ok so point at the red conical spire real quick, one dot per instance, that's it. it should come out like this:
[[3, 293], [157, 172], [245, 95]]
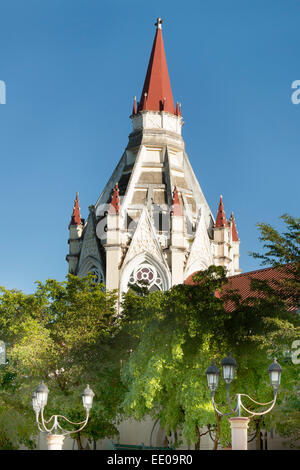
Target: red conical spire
[[115, 201], [235, 237], [157, 83], [176, 207], [76, 218], [221, 219]]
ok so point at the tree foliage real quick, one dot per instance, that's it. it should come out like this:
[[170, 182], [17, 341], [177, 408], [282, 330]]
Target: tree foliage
[[70, 334], [282, 251], [178, 332], [65, 334]]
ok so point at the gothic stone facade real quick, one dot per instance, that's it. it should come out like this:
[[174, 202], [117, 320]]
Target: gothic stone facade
[[152, 221]]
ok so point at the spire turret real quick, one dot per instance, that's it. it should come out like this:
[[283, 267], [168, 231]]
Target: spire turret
[[75, 233], [235, 237], [76, 218], [221, 218], [157, 93]]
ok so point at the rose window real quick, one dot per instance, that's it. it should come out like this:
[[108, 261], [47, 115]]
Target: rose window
[[146, 274]]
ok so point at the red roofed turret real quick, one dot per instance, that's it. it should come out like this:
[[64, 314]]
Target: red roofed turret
[[235, 237], [221, 219], [176, 207], [157, 93], [76, 218], [115, 201]]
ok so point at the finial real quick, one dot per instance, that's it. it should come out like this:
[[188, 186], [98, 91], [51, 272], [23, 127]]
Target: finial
[[158, 23], [145, 100], [134, 110], [178, 109]]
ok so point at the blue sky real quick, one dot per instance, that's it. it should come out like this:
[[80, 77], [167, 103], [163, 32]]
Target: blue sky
[[71, 69]]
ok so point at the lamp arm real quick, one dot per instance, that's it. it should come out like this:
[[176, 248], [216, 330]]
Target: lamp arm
[[263, 412], [83, 425], [71, 422], [46, 422], [56, 425], [256, 402], [38, 423], [216, 409], [229, 402]]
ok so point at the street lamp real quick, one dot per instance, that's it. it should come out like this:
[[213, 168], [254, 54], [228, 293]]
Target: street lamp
[[87, 398], [239, 424], [41, 395], [275, 374], [54, 437], [212, 376], [229, 365]]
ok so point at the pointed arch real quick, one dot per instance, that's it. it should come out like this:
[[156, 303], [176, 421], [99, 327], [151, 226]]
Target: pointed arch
[[92, 265], [200, 257], [159, 276]]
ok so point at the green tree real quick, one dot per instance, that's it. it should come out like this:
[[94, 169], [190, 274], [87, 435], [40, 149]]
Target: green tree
[[65, 334], [282, 251], [178, 333]]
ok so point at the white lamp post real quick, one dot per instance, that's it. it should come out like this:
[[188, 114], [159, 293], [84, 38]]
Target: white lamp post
[[55, 438], [239, 424]]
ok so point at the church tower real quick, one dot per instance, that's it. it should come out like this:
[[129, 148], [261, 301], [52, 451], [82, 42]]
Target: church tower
[[152, 221], [226, 242]]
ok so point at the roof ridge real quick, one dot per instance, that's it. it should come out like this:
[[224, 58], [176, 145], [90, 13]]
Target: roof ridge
[[257, 270]]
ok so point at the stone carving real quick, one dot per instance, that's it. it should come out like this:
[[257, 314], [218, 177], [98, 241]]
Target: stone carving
[[163, 240], [201, 253], [144, 239]]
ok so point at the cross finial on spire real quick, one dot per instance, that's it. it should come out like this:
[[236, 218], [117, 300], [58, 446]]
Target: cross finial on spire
[[158, 23]]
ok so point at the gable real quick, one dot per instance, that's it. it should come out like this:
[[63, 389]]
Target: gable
[[200, 256]]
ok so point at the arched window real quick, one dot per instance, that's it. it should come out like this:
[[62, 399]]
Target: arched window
[[146, 274], [91, 265], [97, 273]]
